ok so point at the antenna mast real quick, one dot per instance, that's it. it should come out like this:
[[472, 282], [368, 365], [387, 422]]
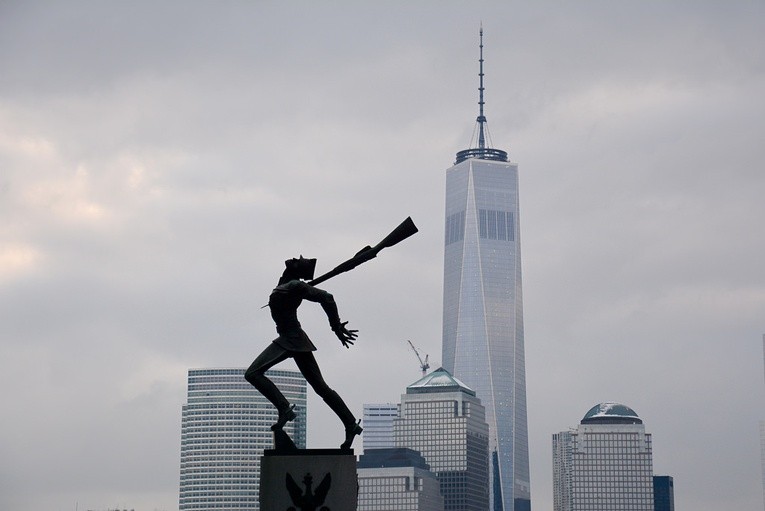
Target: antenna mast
[[481, 119], [483, 151]]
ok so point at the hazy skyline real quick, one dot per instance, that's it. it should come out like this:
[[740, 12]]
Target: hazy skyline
[[159, 161]]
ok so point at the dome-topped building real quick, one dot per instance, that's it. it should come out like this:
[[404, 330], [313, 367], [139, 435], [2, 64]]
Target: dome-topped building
[[611, 413], [604, 464]]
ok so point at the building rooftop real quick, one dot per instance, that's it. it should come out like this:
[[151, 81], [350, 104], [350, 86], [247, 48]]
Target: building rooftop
[[611, 413], [392, 457], [439, 380]]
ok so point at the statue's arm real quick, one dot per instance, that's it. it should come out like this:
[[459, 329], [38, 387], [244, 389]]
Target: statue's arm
[[327, 302]]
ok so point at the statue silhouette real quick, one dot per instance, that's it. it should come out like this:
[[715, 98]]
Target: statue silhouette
[[294, 343]]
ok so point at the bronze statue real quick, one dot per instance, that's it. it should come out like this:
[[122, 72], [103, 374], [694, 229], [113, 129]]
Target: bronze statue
[[294, 343]]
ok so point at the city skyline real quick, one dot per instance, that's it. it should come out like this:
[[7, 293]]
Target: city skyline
[[160, 162]]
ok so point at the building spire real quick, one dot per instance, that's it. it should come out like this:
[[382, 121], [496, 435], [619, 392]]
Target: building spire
[[481, 119], [482, 151]]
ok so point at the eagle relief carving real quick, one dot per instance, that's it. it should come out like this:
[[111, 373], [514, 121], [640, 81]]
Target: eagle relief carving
[[308, 499]]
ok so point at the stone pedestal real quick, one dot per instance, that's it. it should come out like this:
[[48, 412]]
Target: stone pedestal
[[308, 479]]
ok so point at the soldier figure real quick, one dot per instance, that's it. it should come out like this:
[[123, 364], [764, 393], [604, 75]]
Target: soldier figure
[[294, 343]]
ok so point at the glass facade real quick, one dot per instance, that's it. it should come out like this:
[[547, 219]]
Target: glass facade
[[606, 464], [225, 427], [663, 493], [446, 423], [483, 342], [378, 425]]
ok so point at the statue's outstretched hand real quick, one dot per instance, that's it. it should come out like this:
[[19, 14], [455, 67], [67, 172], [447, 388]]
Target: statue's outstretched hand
[[346, 336]]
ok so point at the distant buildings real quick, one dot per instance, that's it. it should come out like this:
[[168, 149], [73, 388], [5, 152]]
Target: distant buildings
[[663, 493], [378, 425], [397, 480], [442, 419], [606, 464], [225, 427], [483, 341]]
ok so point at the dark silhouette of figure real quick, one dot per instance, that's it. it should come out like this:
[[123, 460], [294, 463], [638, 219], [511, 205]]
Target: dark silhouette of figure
[[294, 343]]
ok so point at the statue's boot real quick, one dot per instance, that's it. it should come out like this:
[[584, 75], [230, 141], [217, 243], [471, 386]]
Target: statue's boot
[[285, 415], [352, 428], [350, 433]]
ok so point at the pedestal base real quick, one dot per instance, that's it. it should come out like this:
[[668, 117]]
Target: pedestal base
[[308, 479]]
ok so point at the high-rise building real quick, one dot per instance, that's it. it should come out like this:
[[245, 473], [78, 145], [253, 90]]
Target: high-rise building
[[762, 436], [225, 427], [562, 471], [378, 425], [483, 308], [442, 419], [605, 464], [397, 479], [663, 493]]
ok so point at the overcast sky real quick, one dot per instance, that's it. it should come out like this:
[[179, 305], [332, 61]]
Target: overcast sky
[[160, 160]]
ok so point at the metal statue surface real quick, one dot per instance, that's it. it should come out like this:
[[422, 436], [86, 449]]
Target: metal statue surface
[[295, 285]]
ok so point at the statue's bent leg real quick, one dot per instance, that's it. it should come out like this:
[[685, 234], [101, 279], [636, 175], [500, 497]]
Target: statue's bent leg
[[310, 369], [255, 374]]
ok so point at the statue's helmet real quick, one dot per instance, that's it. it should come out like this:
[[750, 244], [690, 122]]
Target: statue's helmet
[[302, 268]]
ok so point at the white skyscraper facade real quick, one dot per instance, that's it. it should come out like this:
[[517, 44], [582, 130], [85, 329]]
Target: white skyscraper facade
[[606, 464], [378, 425], [225, 427], [483, 342]]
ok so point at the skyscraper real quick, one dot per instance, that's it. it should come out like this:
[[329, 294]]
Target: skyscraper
[[483, 308], [442, 419], [225, 427], [378, 425], [605, 464]]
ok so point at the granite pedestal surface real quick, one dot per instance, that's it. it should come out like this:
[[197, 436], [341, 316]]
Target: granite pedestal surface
[[308, 480]]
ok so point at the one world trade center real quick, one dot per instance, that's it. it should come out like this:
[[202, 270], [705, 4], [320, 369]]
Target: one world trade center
[[483, 307]]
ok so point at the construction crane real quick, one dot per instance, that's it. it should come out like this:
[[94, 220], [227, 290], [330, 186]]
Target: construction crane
[[423, 364]]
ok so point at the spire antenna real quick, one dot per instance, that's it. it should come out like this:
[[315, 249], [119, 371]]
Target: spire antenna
[[483, 151], [481, 119]]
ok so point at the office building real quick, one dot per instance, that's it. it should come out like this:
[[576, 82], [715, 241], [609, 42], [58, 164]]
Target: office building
[[442, 419], [225, 427], [762, 436], [663, 493], [397, 479], [605, 464], [378, 425], [483, 342]]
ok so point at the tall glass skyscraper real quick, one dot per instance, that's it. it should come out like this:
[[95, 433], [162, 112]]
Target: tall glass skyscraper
[[225, 427], [483, 308]]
